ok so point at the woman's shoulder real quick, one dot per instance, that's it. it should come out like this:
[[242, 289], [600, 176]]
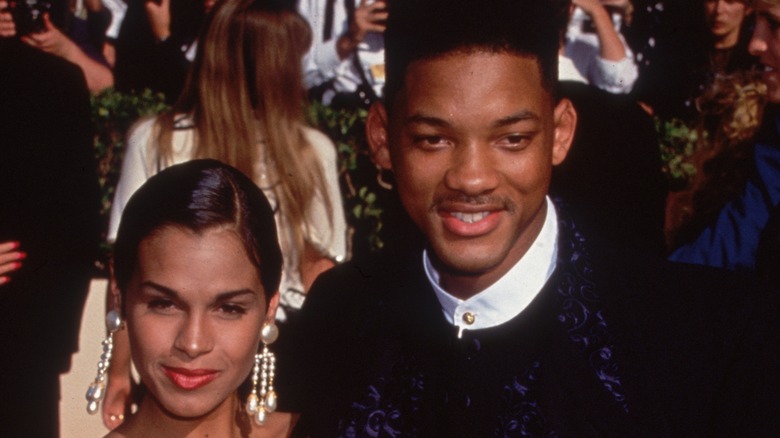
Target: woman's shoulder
[[146, 126], [319, 141], [142, 129]]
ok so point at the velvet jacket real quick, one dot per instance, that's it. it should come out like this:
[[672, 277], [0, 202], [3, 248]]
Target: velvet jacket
[[612, 346]]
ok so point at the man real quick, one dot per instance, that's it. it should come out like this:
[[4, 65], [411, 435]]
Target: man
[[507, 324]]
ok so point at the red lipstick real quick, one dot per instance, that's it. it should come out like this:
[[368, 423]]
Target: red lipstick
[[189, 379]]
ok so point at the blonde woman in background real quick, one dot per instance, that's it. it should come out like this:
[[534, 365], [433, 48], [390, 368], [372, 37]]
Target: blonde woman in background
[[243, 104]]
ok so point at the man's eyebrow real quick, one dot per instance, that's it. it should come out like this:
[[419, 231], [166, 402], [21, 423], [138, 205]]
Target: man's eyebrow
[[224, 296], [517, 117], [424, 119]]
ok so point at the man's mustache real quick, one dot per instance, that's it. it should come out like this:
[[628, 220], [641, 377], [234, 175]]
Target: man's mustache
[[493, 202]]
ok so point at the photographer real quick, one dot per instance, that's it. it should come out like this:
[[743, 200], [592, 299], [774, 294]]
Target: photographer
[[42, 30]]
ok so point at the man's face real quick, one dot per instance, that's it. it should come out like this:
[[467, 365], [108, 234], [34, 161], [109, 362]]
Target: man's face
[[472, 139]]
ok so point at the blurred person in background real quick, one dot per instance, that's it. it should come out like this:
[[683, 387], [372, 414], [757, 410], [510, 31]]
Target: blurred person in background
[[731, 238], [55, 29], [49, 229], [156, 44], [345, 65], [595, 48]]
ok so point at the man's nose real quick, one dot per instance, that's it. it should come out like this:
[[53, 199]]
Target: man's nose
[[473, 170]]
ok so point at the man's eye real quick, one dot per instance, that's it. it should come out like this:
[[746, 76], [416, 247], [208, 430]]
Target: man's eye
[[514, 141], [430, 141]]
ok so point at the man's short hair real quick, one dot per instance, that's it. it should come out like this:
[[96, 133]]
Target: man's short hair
[[425, 29]]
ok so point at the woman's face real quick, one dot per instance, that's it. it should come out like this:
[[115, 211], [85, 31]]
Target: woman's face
[[194, 310], [724, 18], [765, 44]]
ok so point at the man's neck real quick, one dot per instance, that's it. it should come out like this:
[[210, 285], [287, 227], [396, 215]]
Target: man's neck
[[464, 285]]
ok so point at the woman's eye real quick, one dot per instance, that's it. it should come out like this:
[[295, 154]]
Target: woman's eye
[[232, 309], [161, 304]]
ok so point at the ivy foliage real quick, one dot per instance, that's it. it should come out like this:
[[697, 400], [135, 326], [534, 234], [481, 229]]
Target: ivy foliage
[[678, 142]]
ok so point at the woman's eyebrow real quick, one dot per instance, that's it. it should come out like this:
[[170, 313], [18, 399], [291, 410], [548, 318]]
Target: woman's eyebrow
[[233, 294], [223, 296], [160, 288]]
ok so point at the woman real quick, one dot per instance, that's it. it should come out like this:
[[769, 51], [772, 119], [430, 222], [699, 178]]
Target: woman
[[243, 105], [732, 239], [195, 273]]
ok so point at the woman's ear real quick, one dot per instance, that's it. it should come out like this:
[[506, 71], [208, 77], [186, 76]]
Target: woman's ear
[[376, 133], [273, 304], [114, 300]]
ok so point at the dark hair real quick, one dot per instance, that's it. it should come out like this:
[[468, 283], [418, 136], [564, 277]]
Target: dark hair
[[199, 195], [425, 29]]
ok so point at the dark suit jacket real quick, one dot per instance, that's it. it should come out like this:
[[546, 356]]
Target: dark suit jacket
[[612, 346], [49, 204]]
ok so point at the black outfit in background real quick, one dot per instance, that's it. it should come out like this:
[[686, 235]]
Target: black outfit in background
[[614, 345], [49, 203], [611, 178], [143, 62]]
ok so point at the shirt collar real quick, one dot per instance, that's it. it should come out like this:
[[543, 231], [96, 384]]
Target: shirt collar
[[507, 297]]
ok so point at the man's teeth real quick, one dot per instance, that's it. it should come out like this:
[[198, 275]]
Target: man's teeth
[[768, 68], [470, 218]]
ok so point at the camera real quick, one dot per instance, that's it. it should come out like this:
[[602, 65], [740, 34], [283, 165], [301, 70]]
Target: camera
[[28, 15]]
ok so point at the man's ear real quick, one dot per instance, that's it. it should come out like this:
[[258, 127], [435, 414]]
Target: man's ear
[[376, 133], [565, 118]]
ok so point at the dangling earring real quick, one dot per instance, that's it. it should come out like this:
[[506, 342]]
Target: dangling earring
[[97, 388], [259, 405]]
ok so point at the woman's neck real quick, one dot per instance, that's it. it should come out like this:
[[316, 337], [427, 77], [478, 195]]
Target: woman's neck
[[152, 421], [727, 41]]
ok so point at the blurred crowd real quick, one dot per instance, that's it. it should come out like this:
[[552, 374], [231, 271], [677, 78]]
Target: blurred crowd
[[238, 94]]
